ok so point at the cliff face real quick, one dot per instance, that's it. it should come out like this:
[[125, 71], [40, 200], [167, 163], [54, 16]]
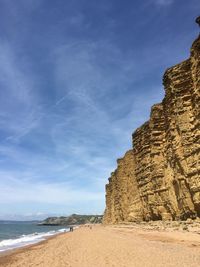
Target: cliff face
[[160, 177], [122, 195]]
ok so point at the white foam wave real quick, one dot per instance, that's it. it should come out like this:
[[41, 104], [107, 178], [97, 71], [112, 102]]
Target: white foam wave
[[26, 240]]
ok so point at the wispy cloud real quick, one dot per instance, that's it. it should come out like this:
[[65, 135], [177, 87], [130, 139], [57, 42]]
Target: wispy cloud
[[19, 105], [48, 193], [63, 197], [164, 2]]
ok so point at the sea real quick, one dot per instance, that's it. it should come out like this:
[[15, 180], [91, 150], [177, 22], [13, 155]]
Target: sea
[[15, 234]]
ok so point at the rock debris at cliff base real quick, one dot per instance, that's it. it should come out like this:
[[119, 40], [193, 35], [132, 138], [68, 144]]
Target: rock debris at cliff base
[[159, 179]]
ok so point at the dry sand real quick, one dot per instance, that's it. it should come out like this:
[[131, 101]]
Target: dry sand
[[110, 246]]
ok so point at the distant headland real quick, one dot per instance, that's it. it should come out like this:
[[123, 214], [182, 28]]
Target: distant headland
[[74, 219]]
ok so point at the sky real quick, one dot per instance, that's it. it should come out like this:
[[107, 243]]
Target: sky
[[77, 77]]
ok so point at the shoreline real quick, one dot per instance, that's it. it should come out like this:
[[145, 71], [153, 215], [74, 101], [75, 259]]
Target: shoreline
[[11, 251], [116, 245]]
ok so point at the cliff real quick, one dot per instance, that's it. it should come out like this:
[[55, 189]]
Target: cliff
[[159, 179]]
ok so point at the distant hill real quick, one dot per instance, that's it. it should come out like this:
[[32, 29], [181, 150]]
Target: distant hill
[[74, 219]]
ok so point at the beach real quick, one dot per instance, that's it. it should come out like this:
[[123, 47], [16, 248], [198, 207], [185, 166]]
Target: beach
[[120, 246]]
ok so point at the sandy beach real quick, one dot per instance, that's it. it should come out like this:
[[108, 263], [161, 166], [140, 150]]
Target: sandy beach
[[110, 246]]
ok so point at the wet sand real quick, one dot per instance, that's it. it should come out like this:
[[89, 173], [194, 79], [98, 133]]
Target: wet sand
[[101, 246]]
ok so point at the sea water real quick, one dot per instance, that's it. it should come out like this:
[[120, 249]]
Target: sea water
[[18, 234]]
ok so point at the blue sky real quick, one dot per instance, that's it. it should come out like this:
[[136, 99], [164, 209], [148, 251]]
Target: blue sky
[[76, 78]]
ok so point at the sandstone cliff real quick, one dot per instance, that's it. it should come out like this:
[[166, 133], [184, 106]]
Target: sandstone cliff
[[160, 177]]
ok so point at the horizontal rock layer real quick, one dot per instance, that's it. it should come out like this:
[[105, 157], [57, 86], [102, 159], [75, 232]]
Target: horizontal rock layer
[[160, 177]]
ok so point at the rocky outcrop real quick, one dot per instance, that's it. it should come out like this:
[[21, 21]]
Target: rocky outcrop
[[159, 179]]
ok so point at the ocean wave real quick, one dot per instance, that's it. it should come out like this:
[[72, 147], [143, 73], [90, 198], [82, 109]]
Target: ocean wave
[[25, 240]]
